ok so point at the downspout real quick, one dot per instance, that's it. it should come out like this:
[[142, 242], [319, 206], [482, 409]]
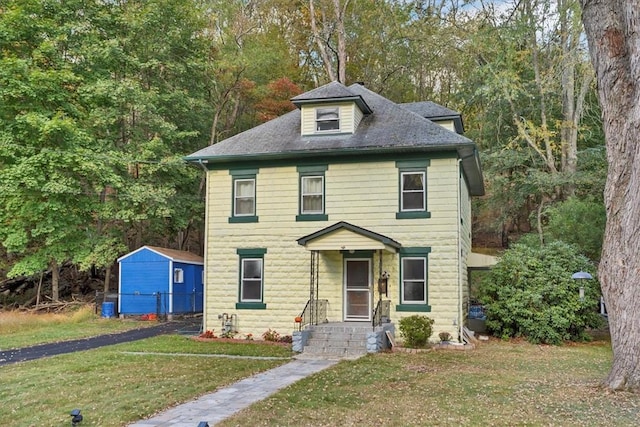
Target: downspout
[[459, 256], [205, 267]]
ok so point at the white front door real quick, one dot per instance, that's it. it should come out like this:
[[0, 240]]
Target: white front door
[[357, 289]]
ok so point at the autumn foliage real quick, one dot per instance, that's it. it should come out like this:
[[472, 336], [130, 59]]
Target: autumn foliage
[[277, 99]]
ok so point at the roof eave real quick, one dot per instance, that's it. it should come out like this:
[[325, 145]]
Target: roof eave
[[468, 154], [364, 107]]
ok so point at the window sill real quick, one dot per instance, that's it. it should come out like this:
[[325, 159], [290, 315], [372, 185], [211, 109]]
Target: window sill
[[251, 306], [312, 217], [241, 219], [413, 215], [413, 307]]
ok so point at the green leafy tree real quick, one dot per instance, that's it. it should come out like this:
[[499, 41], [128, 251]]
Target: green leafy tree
[[100, 101], [532, 93], [578, 222], [530, 294], [47, 178]]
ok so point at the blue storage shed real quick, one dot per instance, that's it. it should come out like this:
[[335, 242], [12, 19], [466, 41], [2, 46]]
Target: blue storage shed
[[160, 280]]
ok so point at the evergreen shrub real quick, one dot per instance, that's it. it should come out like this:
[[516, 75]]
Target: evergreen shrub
[[416, 330], [530, 294]]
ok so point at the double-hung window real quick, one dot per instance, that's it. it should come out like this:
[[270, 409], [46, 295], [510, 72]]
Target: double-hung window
[[244, 196], [251, 282], [414, 263], [327, 119], [312, 193], [413, 189]]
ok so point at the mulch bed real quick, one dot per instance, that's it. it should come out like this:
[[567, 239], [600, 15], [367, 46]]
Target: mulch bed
[[240, 341]]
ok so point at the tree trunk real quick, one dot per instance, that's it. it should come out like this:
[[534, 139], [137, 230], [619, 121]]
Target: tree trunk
[[55, 281], [569, 130], [320, 42], [613, 33], [342, 43], [107, 278]]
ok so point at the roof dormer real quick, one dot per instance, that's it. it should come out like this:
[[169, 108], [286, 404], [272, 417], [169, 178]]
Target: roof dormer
[[330, 109], [443, 116]]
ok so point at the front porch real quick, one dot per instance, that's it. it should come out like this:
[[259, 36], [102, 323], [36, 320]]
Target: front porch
[[337, 340]]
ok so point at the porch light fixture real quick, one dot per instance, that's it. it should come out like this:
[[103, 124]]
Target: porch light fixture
[[581, 275]]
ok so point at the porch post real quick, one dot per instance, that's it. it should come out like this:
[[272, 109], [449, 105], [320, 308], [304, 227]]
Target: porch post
[[380, 276], [317, 280], [312, 288]]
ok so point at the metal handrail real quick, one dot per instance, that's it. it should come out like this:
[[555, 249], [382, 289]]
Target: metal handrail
[[313, 311], [377, 315], [382, 311]]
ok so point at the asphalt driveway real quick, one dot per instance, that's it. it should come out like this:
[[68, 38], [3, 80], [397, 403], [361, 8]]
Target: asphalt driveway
[[53, 349]]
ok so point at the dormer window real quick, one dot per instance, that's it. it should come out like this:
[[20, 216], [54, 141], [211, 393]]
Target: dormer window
[[327, 119]]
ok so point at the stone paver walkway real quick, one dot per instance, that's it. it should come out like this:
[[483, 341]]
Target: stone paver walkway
[[225, 402]]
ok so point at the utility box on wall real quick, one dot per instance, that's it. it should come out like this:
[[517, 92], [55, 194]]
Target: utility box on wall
[[160, 280]]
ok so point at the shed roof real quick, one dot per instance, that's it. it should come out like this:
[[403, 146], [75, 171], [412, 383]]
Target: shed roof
[[171, 254]]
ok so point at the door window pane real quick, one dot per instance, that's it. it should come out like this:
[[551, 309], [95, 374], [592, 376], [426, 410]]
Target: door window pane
[[358, 274]]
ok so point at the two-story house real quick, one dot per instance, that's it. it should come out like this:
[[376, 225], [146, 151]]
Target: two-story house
[[353, 202]]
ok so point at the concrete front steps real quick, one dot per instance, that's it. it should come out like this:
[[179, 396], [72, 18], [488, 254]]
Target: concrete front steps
[[337, 341]]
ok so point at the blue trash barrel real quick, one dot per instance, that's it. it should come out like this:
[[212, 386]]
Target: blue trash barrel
[[108, 309]]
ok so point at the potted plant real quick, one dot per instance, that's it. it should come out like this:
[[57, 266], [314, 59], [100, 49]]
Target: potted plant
[[445, 337]]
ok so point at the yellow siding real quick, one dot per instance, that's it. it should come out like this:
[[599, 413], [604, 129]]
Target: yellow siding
[[447, 124], [344, 240], [357, 116], [466, 243], [365, 195]]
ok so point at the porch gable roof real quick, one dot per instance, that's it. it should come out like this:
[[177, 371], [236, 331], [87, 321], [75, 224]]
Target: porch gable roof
[[343, 236]]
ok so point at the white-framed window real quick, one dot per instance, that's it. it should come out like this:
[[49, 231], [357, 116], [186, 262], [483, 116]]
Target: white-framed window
[[311, 195], [327, 119], [251, 280], [413, 191], [414, 280], [178, 275], [244, 195]]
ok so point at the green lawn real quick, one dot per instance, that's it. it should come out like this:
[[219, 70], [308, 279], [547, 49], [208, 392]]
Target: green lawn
[[113, 387], [498, 384]]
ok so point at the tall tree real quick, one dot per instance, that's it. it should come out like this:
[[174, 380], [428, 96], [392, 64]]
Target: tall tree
[[328, 30], [97, 107], [532, 87], [47, 176], [613, 33]]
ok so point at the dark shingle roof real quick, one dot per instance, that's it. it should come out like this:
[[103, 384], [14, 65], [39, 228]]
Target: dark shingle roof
[[435, 112], [330, 90], [389, 129], [429, 109]]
